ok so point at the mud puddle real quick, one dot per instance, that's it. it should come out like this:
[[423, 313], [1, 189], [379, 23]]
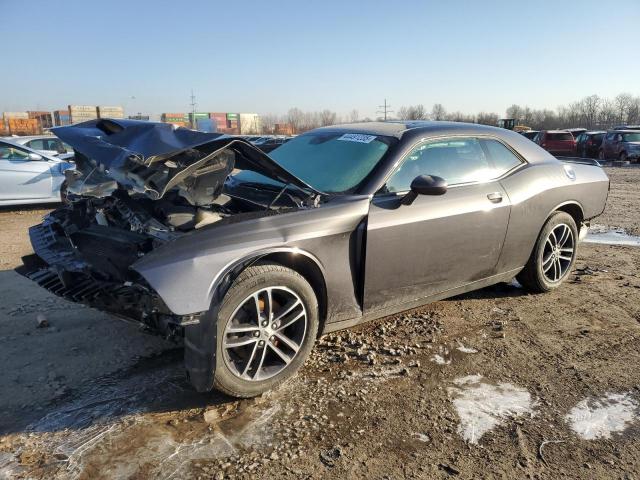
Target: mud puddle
[[603, 234]]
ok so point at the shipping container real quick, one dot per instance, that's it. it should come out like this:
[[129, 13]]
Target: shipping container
[[61, 118], [173, 117], [110, 112], [144, 118], [220, 120], [23, 126], [7, 115], [45, 119], [250, 124], [283, 129], [82, 113]]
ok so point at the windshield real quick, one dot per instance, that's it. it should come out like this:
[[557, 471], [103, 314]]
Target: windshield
[[330, 162], [631, 137]]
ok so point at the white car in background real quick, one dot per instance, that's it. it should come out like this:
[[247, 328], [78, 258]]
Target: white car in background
[[49, 145], [28, 176]]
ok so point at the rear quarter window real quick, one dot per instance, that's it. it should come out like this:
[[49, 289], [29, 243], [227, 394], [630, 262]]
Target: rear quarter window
[[502, 157]]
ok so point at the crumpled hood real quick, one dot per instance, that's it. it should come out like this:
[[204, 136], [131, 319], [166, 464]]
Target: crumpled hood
[[152, 157]]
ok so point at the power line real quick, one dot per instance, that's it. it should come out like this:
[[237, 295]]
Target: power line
[[386, 108]]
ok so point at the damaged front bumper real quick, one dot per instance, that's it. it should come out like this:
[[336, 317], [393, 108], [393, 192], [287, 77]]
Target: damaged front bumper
[[60, 267]]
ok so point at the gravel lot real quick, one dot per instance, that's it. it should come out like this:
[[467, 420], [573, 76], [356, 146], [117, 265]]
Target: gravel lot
[[492, 384]]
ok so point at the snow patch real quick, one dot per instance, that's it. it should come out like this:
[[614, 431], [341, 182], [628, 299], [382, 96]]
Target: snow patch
[[599, 418], [482, 406]]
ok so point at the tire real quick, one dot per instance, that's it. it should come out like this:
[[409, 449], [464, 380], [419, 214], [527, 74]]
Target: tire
[[237, 371], [539, 275], [623, 156]]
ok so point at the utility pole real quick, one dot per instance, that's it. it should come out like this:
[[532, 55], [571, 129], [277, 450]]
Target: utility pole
[[193, 110], [386, 108]]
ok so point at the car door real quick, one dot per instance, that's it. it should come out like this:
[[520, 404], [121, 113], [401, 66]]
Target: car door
[[607, 145], [21, 177], [438, 242]]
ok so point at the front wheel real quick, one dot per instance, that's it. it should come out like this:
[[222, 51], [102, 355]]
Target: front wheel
[[266, 328], [553, 256]]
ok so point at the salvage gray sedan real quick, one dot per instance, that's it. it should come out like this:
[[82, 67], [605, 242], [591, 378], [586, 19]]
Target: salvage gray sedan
[[249, 258]]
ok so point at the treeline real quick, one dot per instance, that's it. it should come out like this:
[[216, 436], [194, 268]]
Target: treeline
[[591, 112]]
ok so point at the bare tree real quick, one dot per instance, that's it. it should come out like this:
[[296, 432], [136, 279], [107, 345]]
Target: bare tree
[[438, 112], [590, 107], [327, 117], [403, 113], [622, 103], [295, 117], [515, 111], [487, 118], [353, 116]]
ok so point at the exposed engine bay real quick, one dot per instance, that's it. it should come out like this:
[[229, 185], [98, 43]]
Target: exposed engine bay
[[136, 187]]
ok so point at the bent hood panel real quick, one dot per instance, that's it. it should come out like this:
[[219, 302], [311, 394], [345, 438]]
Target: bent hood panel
[[151, 157]]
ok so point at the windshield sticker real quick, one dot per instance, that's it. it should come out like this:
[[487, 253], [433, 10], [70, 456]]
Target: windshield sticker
[[357, 137]]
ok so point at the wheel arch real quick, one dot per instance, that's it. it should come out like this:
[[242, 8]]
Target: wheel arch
[[573, 208], [300, 261]]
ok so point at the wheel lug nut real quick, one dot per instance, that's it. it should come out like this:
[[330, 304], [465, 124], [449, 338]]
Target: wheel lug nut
[[265, 324], [261, 343], [272, 338], [274, 326], [256, 333]]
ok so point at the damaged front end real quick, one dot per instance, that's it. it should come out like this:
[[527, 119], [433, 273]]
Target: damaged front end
[[138, 186]]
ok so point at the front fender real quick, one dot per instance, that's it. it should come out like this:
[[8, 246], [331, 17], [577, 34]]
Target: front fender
[[186, 272]]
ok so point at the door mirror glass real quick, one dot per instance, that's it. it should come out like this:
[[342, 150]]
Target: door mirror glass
[[35, 156], [425, 185]]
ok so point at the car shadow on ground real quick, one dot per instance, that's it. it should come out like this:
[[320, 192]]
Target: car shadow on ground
[[499, 290], [82, 366]]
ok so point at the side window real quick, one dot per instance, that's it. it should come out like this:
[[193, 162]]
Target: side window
[[37, 145], [503, 159], [11, 153], [457, 160]]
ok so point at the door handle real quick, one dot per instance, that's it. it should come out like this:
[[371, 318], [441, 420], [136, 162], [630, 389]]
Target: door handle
[[495, 197]]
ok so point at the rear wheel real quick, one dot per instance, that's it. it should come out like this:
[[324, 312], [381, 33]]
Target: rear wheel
[[267, 325], [553, 255]]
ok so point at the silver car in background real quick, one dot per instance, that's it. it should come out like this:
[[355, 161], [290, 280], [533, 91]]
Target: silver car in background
[[28, 176], [49, 145]]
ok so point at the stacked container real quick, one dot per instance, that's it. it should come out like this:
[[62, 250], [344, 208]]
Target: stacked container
[[61, 118], [45, 120], [110, 112], [178, 119], [233, 123], [23, 126], [219, 121], [283, 129], [82, 113], [194, 117]]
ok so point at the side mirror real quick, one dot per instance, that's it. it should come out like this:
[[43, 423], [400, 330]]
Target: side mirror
[[425, 185], [35, 156]]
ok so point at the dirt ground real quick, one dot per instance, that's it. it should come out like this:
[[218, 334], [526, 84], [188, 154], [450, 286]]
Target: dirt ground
[[492, 384]]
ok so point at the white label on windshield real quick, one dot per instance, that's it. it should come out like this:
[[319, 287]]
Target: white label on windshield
[[357, 137]]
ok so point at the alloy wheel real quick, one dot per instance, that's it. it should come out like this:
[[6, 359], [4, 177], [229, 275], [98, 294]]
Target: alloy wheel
[[558, 253], [265, 333]]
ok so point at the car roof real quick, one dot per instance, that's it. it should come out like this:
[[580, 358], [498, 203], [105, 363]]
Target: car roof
[[26, 138], [595, 132], [397, 128]]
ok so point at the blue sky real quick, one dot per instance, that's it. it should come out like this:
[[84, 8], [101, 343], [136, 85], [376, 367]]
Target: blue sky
[[266, 57]]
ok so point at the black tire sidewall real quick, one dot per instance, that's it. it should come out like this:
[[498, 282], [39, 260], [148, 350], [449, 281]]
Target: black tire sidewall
[[224, 379], [554, 221]]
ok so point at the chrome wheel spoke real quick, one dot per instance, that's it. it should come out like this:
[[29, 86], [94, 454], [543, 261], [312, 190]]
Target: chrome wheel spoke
[[558, 252], [287, 359], [291, 321], [253, 354], [239, 342], [288, 342], [254, 343]]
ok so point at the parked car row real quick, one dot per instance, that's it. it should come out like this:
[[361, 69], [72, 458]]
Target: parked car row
[[268, 143], [620, 143]]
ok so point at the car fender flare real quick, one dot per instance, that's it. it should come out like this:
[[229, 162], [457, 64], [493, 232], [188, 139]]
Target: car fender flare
[[562, 207], [223, 278]]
